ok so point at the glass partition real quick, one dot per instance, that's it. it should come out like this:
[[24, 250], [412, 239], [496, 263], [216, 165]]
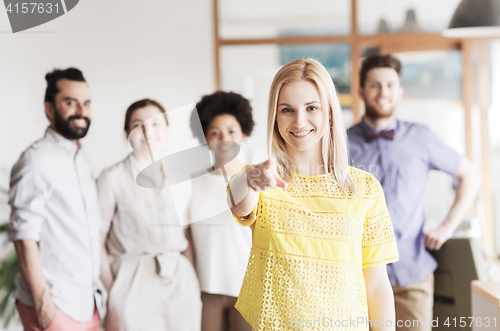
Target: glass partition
[[240, 19]]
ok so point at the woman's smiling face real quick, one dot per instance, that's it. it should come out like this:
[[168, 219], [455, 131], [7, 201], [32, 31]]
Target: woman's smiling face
[[224, 136], [299, 116], [155, 125]]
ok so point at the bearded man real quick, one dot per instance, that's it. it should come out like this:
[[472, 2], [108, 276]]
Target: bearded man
[[54, 216]]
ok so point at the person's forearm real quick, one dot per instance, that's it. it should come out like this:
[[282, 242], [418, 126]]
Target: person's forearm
[[380, 298], [189, 252], [381, 307], [466, 192], [28, 256], [106, 273], [243, 199]]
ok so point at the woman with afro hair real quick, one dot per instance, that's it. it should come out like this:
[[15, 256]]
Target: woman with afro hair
[[221, 246]]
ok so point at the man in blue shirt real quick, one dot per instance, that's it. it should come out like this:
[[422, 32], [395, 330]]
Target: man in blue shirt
[[400, 154]]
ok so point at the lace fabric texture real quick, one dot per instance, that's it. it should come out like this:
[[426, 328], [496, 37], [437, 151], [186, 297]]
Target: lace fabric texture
[[310, 245]]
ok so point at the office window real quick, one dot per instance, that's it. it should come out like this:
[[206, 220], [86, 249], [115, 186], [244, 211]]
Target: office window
[[240, 19]]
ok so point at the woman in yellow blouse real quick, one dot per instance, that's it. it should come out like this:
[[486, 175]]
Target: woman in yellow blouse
[[321, 230]]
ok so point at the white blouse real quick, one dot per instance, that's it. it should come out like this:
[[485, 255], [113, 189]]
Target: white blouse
[[137, 219], [222, 247], [155, 287]]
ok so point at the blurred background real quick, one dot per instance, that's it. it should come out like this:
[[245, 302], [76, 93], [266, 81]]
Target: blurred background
[[178, 51], [448, 82]]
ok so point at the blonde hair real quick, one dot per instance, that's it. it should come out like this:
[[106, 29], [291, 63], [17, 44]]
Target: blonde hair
[[334, 141]]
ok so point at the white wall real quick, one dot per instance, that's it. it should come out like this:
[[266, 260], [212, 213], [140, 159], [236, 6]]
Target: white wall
[[127, 50]]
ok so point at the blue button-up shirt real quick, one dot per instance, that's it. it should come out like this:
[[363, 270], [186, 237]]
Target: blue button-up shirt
[[402, 165]]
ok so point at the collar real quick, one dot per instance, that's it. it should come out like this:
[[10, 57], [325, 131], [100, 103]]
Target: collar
[[67, 145]]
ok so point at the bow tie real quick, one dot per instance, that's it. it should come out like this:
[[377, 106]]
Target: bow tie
[[371, 135]]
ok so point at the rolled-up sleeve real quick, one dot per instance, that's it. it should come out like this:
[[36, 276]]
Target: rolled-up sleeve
[[28, 193]]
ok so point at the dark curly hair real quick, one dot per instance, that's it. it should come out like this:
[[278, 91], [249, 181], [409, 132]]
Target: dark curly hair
[[219, 103], [378, 61]]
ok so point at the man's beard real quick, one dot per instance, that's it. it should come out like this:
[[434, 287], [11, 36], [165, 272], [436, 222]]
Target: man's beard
[[374, 114], [63, 126]]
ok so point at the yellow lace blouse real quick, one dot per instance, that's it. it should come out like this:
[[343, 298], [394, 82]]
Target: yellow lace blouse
[[309, 247]]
